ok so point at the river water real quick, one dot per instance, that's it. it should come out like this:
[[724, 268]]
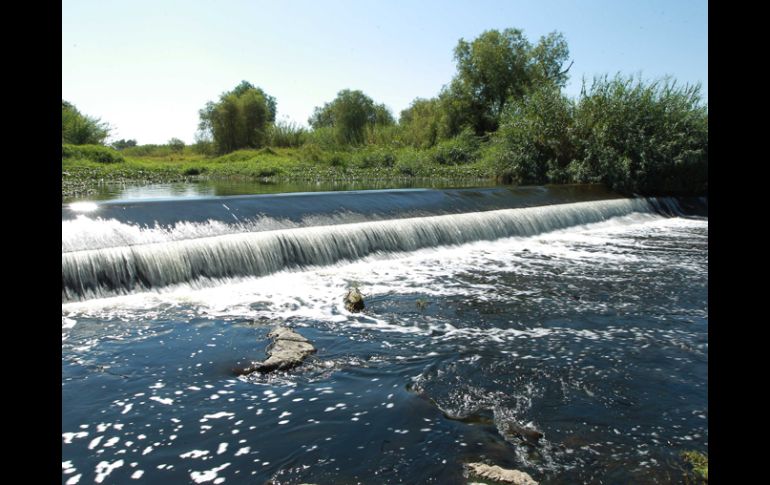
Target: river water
[[588, 322]]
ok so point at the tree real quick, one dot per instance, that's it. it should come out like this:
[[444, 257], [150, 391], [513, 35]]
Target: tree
[[123, 144], [350, 114], [176, 145], [421, 122], [79, 129], [497, 67], [240, 119]]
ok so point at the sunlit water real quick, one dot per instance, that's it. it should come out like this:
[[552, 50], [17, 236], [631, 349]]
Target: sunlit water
[[595, 335]]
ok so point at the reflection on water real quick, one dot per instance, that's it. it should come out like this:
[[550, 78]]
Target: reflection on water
[[207, 188]]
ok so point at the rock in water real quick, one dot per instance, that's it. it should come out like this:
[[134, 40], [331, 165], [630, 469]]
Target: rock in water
[[287, 351], [501, 474], [354, 301]]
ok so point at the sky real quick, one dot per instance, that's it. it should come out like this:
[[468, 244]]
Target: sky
[[147, 67]]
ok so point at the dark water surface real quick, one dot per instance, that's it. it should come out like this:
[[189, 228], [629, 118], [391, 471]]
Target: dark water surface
[[595, 333]]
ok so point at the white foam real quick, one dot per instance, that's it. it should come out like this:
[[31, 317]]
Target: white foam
[[207, 475], [103, 469]]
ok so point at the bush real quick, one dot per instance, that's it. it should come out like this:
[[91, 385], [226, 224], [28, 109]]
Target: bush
[[149, 150], [194, 171], [94, 153], [460, 150], [642, 138], [533, 144], [374, 157], [286, 134]]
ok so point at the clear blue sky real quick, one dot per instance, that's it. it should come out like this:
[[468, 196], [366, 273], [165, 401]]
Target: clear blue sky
[[147, 67]]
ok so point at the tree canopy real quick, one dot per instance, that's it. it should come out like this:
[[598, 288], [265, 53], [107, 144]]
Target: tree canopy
[[349, 114], [239, 119], [495, 68], [80, 129]]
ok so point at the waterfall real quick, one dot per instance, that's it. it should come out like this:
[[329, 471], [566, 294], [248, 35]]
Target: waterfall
[[151, 258]]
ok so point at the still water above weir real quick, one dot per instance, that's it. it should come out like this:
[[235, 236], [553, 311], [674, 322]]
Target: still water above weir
[[571, 311]]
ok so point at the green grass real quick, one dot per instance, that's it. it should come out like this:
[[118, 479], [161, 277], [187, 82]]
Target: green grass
[[306, 163]]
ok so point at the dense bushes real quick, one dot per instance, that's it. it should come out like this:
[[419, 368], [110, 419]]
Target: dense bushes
[[79, 129], [634, 137], [94, 153], [642, 138], [534, 144]]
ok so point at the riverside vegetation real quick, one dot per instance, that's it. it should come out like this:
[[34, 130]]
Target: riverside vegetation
[[502, 117]]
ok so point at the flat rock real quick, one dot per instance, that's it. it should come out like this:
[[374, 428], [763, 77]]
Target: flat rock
[[287, 351], [499, 474]]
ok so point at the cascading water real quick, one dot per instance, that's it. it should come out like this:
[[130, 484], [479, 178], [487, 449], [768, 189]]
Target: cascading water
[[123, 258], [489, 314]]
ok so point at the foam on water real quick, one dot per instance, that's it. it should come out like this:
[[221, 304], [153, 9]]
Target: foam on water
[[155, 258]]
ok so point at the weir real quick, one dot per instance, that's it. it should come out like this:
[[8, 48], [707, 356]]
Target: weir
[[106, 257]]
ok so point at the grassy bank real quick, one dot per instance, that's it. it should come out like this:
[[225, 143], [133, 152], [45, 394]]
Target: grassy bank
[[83, 171]]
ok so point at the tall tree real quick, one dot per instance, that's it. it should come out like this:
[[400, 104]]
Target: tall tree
[[239, 119], [350, 113], [495, 68]]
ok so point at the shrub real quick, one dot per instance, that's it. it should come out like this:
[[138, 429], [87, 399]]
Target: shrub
[[374, 157], [286, 134], [94, 153], [533, 144], [459, 150], [646, 138]]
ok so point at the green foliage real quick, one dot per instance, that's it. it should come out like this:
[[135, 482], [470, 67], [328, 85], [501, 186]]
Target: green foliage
[[94, 153], [373, 156], [176, 145], [699, 463], [203, 144], [349, 115], [421, 122], [644, 138], [460, 150], [497, 67], [79, 129], [123, 144], [286, 134], [533, 144], [240, 118], [149, 150]]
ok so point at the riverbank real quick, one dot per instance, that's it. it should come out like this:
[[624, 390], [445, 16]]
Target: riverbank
[[82, 177]]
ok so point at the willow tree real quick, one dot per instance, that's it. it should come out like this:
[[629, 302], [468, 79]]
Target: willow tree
[[350, 114], [240, 119]]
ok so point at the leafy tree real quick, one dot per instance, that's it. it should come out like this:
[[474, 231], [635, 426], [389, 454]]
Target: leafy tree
[[176, 145], [123, 144], [350, 114], [239, 119], [421, 122], [79, 129], [497, 67]]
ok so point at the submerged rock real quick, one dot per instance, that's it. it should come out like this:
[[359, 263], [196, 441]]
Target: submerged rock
[[354, 301], [528, 435], [500, 474], [287, 351]]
